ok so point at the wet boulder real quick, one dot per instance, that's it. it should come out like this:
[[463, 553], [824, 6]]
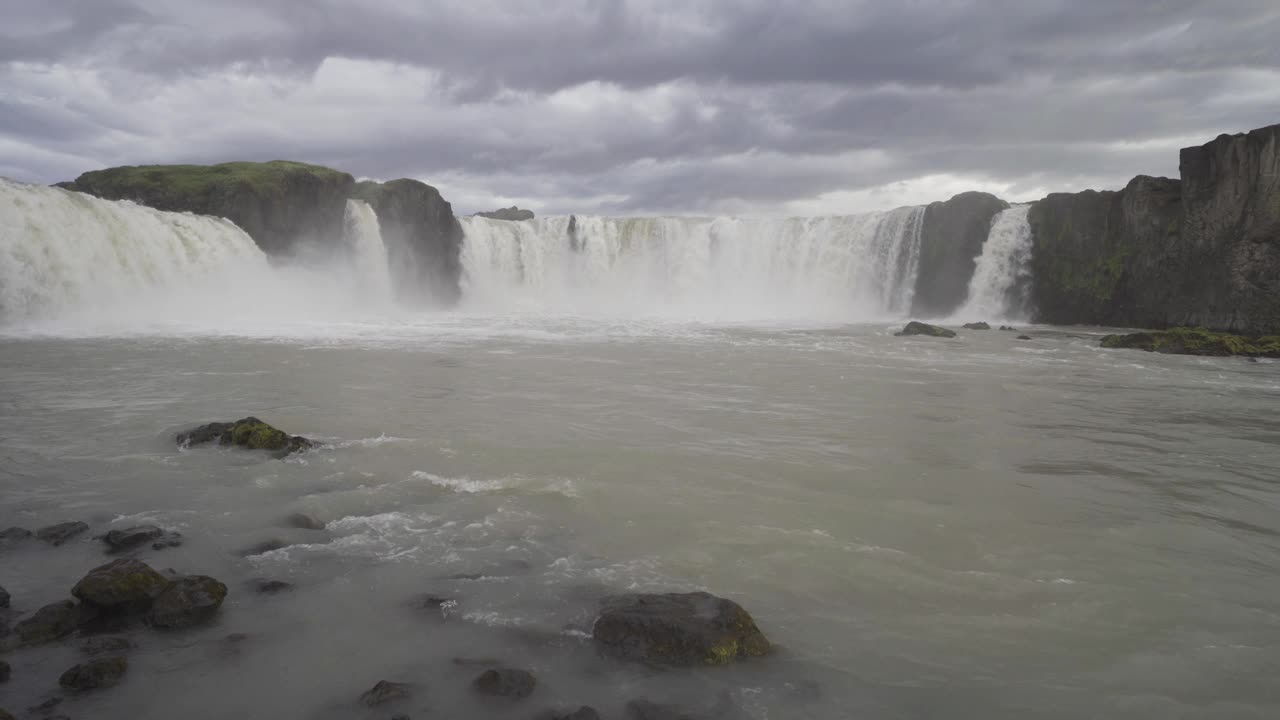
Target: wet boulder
[[62, 532], [1023, 337], [4, 598], [977, 326], [1196, 341], [1008, 328], [53, 621], [121, 585], [119, 541], [302, 521], [13, 536], [249, 433], [188, 601], [506, 683], [681, 629], [263, 586], [384, 692], [914, 328], [94, 674]]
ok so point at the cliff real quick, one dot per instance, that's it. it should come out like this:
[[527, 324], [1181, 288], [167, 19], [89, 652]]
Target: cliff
[[280, 204], [423, 238], [950, 243]]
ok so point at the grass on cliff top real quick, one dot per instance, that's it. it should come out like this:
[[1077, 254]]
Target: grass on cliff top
[[1197, 341], [188, 180]]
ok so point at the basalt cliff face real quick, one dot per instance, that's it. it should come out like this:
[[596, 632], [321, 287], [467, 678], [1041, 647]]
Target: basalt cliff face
[[1203, 250], [951, 240], [423, 238]]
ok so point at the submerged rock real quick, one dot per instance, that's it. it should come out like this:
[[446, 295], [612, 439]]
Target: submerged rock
[[58, 534], [53, 621], [1007, 328], [505, 682], [124, 584], [512, 213], [1196, 341], [263, 586], [303, 521], [5, 671], [118, 541], [94, 674], [4, 598], [13, 536], [263, 547], [1023, 337], [249, 433], [101, 645], [977, 326], [190, 600], [919, 328], [384, 692], [678, 629], [586, 712]]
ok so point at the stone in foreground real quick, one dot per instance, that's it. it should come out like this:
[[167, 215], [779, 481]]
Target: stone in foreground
[[118, 541], [384, 692], [1196, 341], [682, 629], [94, 674], [918, 328], [124, 584], [505, 682], [977, 326], [58, 534], [249, 433], [53, 621], [189, 601]]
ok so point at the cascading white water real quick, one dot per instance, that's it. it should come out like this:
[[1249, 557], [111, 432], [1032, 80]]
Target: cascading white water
[[848, 267], [369, 254], [64, 251], [1004, 266]]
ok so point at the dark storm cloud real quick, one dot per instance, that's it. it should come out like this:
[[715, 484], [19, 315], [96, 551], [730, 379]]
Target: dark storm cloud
[[641, 106]]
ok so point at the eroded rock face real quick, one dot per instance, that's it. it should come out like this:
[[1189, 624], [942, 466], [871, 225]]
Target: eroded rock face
[[681, 629], [951, 240], [190, 600], [423, 239], [1196, 341], [918, 328], [121, 585], [249, 433], [95, 674]]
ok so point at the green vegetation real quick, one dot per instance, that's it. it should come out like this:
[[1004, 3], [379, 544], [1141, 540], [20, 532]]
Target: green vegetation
[[1197, 341], [189, 184]]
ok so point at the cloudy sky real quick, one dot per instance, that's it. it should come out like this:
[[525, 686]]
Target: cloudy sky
[[643, 106]]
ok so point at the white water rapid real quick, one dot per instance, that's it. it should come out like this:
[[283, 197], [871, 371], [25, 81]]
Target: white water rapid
[[1003, 269], [846, 267], [369, 254]]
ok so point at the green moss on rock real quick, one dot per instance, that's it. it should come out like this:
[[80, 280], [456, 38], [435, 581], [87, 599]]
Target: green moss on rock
[[1196, 341], [249, 433], [918, 328]]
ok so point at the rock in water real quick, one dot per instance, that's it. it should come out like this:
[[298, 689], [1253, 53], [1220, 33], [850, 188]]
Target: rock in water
[[384, 692], [118, 541], [4, 598], [1007, 328], [1196, 341], [94, 674], [303, 521], [263, 586], [52, 621], [1023, 337], [919, 328], [977, 326], [249, 433], [678, 629], [13, 536], [6, 715], [125, 584], [5, 671], [190, 600], [505, 682], [101, 645], [586, 712], [58, 534]]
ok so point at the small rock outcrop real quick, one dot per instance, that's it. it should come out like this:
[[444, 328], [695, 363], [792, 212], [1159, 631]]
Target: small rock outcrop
[[977, 326], [124, 585], [1196, 341], [58, 534], [918, 328], [249, 433], [680, 629], [95, 674], [119, 541], [513, 213], [506, 683], [190, 600], [384, 692], [53, 621], [951, 240]]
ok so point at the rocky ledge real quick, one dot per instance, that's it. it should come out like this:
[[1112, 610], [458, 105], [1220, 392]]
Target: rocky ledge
[[1197, 341], [249, 433]]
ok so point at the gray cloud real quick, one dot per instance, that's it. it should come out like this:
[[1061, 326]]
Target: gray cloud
[[657, 106]]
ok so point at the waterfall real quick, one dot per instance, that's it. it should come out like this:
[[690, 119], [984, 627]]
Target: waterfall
[[369, 254], [847, 267], [62, 250], [1003, 269]]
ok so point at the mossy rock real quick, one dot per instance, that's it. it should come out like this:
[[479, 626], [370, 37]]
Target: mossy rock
[[977, 326], [918, 328], [53, 621], [249, 433], [124, 584], [189, 601], [678, 629], [1197, 341], [94, 674]]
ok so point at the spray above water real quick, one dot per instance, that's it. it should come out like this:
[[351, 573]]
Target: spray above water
[[846, 267], [999, 283]]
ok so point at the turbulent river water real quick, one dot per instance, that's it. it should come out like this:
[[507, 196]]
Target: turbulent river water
[[982, 527]]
